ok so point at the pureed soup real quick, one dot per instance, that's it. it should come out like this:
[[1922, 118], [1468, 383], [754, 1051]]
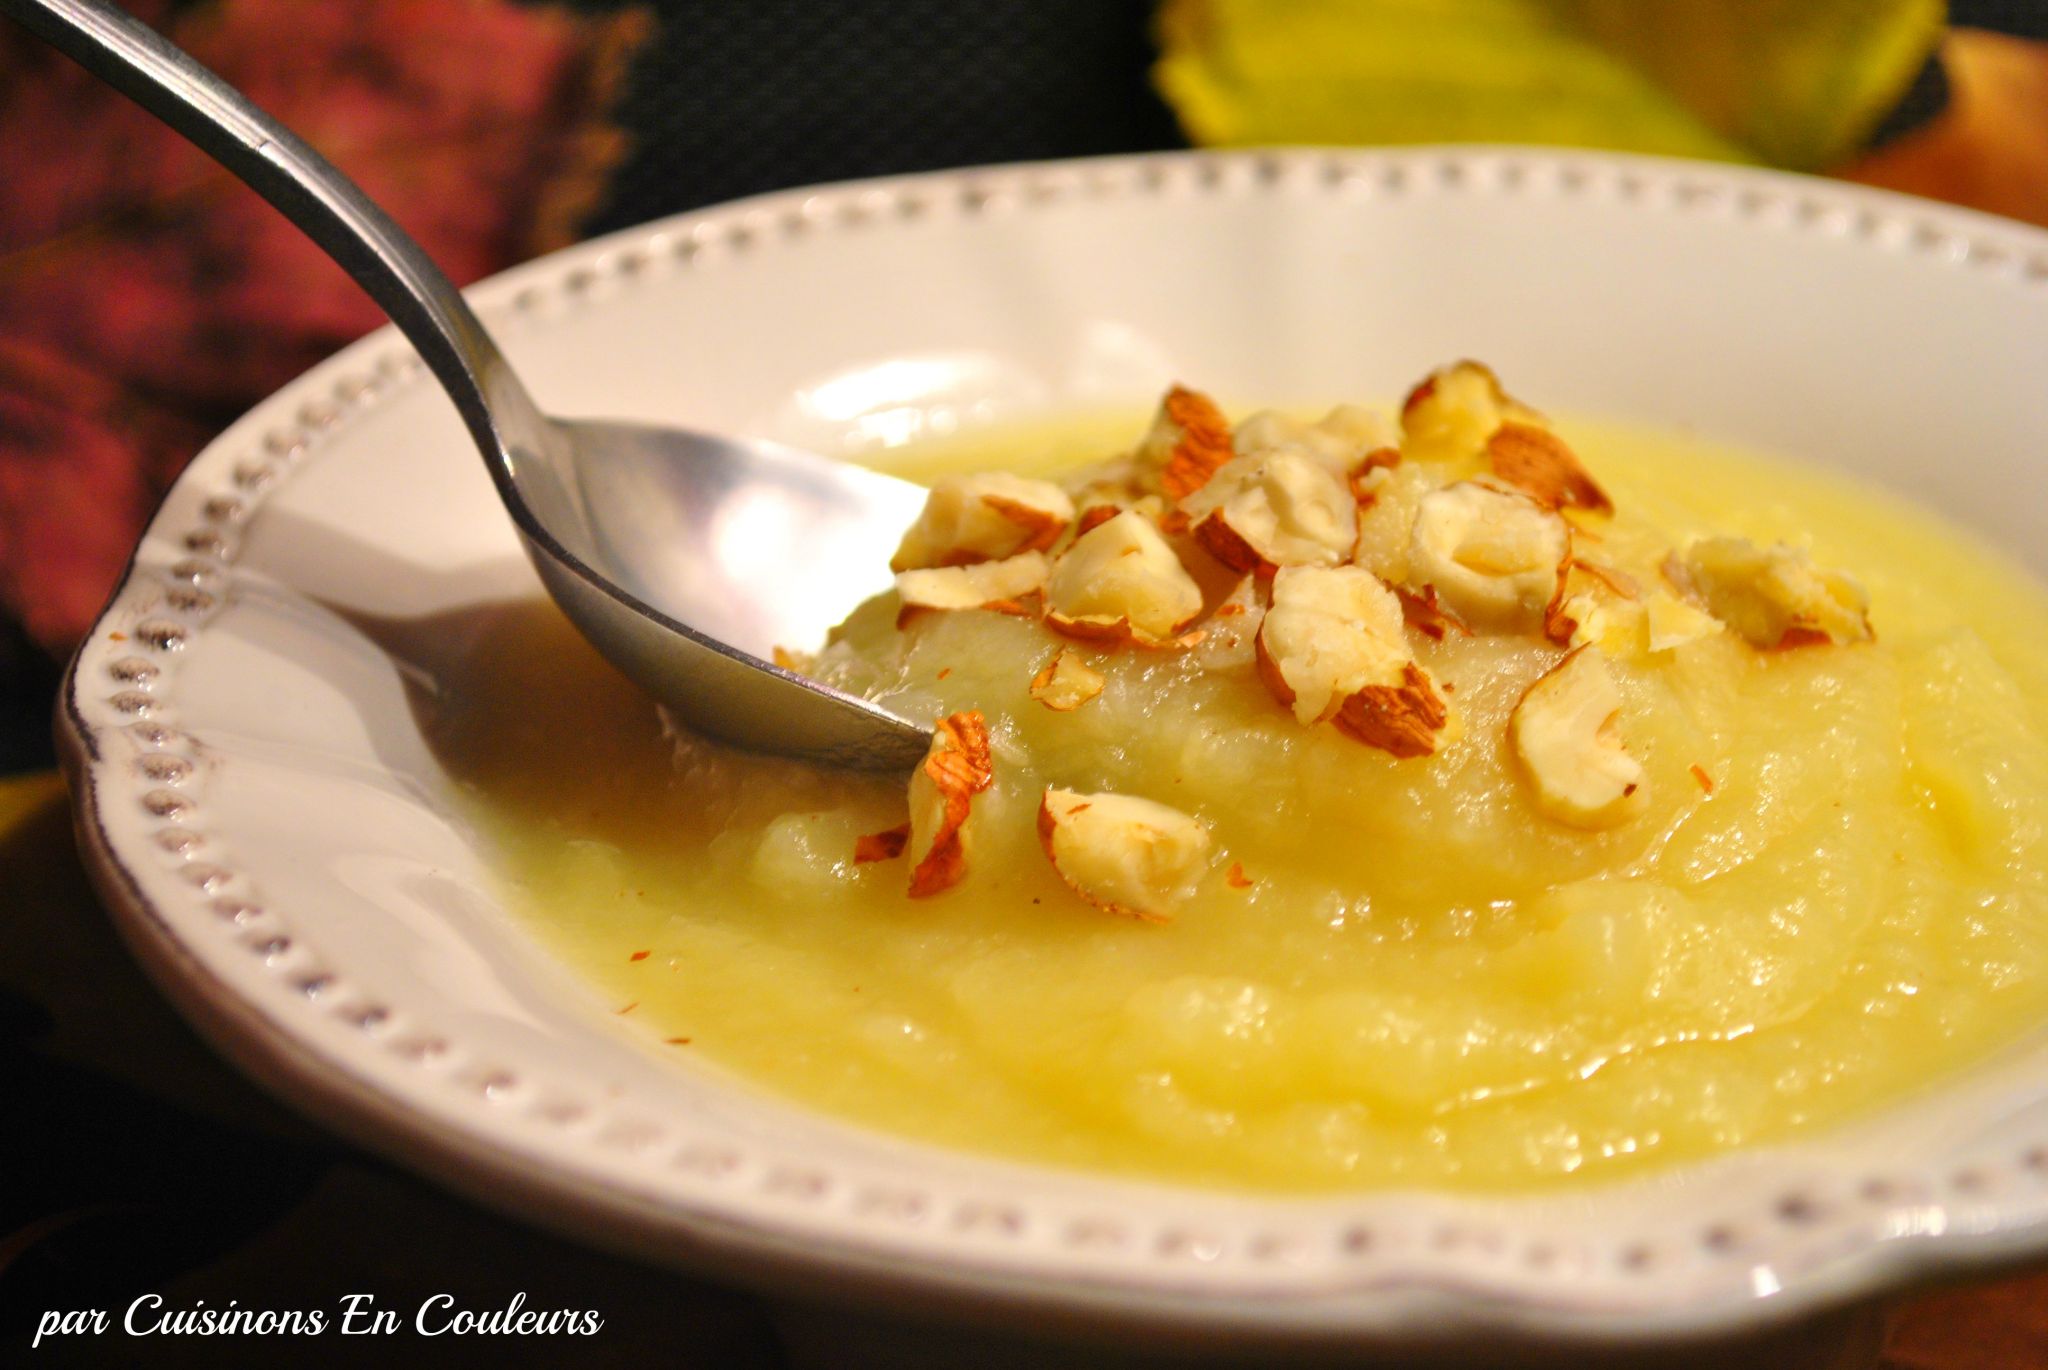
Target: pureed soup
[[1327, 805]]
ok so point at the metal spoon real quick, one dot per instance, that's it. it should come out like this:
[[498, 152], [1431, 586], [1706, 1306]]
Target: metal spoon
[[685, 557]]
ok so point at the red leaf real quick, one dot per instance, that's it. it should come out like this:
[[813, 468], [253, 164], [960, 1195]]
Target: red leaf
[[127, 256]]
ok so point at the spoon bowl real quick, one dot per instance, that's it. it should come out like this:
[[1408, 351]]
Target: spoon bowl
[[689, 559]]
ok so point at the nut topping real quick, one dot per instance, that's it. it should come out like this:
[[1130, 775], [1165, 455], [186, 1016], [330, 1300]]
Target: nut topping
[[1449, 416], [1332, 648], [1386, 520], [1673, 622], [1772, 596], [1493, 555], [1120, 581], [1342, 439], [958, 767], [1066, 683], [1564, 734], [1537, 462], [1321, 557], [999, 585], [1273, 509], [1189, 440], [968, 519], [1426, 616], [1123, 854]]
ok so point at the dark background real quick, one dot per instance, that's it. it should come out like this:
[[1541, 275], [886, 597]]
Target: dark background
[[732, 99]]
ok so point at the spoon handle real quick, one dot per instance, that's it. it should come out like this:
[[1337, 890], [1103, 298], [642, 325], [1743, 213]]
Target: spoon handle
[[141, 63]]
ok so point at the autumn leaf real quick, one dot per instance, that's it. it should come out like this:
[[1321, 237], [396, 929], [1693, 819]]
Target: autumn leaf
[[1988, 148], [146, 297], [81, 465], [1795, 83]]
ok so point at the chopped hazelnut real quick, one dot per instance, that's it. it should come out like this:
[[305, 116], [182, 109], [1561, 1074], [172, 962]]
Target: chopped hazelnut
[[1124, 854], [1449, 416], [1332, 648], [1188, 441], [1093, 517], [1371, 476], [1618, 583], [1558, 623], [1426, 616], [1564, 734], [1268, 430], [1273, 509], [1331, 631], [996, 585], [1350, 432], [986, 517], [1121, 580], [1672, 622], [958, 767], [1341, 440], [1493, 555], [1614, 625], [1595, 604], [1771, 596], [1404, 719], [1386, 521], [1066, 683], [1537, 462]]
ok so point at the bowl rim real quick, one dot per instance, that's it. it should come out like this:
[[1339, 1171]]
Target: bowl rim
[[774, 1245]]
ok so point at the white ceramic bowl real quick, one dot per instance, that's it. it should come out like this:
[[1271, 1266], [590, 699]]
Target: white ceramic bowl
[[277, 842]]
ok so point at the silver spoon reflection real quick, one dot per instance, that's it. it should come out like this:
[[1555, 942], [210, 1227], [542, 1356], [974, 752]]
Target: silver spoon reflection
[[684, 557]]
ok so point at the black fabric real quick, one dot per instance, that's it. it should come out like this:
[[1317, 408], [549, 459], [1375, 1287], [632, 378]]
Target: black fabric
[[736, 98], [2025, 18], [28, 693]]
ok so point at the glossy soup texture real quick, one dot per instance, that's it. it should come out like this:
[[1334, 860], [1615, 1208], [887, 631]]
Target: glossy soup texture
[[1422, 982]]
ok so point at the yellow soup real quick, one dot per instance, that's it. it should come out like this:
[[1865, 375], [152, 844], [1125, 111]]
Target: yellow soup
[[1394, 971]]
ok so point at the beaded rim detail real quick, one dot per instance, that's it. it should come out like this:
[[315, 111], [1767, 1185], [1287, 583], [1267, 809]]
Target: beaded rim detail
[[1828, 1237]]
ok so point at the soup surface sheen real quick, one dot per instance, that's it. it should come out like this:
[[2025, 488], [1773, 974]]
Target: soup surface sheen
[[1423, 982]]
